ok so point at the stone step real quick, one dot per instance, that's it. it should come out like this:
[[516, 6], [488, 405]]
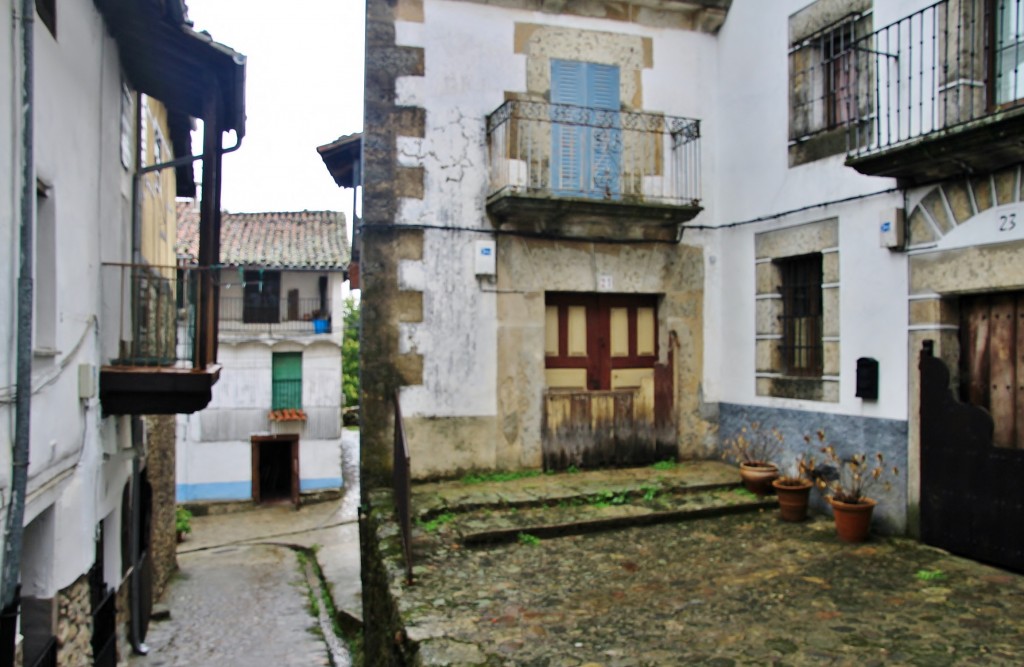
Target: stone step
[[431, 500], [609, 510]]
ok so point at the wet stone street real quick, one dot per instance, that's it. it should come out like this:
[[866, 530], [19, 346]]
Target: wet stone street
[[236, 605], [734, 590], [242, 596]]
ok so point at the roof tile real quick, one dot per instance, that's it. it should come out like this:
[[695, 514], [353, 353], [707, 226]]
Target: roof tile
[[301, 240]]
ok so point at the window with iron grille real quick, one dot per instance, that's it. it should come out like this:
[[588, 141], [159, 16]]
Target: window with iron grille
[[801, 348], [262, 297], [823, 69], [830, 77], [1009, 50]]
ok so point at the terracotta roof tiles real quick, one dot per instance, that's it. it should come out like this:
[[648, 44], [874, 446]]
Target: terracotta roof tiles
[[301, 240]]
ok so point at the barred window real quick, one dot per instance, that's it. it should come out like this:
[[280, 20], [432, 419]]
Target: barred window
[[801, 348]]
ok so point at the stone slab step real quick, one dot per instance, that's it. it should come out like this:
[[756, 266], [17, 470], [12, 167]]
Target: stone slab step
[[585, 526]]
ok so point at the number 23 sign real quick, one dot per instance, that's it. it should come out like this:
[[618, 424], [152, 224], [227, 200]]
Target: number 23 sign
[[999, 224]]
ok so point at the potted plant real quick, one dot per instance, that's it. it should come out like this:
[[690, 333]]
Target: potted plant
[[847, 486], [182, 523], [755, 449], [794, 489]]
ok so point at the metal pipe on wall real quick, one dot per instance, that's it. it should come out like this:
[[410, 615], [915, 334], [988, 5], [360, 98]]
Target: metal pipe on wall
[[14, 529]]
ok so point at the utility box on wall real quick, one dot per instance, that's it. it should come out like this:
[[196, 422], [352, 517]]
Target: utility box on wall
[[484, 261], [891, 229]]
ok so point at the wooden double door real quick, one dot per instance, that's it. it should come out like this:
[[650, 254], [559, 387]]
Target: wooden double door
[[972, 444], [608, 401]]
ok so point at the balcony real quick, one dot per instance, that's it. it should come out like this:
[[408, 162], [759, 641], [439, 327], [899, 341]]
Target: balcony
[[274, 317], [164, 359], [937, 94], [564, 171]]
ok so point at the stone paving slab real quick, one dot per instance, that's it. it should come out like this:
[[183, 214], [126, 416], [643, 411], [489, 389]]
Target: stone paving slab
[[736, 590]]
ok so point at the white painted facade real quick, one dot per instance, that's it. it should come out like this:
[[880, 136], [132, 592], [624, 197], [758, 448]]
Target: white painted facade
[[80, 461], [214, 445], [737, 83]]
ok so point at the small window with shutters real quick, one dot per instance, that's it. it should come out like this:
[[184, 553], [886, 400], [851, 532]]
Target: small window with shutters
[[287, 381]]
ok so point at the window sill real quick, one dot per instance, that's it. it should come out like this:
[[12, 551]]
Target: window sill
[[803, 388]]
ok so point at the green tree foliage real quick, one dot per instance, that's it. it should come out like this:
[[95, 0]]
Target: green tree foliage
[[350, 354]]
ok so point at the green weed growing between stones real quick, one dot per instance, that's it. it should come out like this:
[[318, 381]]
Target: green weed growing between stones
[[433, 525], [743, 493], [930, 575], [499, 476], [667, 464], [528, 539]]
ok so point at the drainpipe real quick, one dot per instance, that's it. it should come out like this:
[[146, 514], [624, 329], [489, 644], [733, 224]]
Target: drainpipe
[[14, 529]]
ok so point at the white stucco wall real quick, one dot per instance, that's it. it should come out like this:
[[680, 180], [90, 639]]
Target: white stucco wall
[[754, 180], [77, 154], [457, 336], [214, 447]]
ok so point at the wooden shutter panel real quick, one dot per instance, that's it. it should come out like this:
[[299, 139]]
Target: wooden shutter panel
[[606, 136], [568, 86]]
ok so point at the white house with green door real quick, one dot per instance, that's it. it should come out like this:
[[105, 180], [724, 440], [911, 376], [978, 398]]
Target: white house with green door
[[273, 429]]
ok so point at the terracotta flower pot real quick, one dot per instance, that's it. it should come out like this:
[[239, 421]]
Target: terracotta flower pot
[[852, 519], [758, 478], [793, 499]]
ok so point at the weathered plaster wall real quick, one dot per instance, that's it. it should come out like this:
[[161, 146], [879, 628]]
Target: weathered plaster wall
[[453, 341], [77, 116], [528, 267]]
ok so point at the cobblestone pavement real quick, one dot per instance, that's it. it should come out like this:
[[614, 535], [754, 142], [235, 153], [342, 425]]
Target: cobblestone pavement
[[240, 598], [737, 590], [241, 605]]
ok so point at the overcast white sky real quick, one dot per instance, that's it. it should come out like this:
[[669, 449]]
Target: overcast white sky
[[304, 88]]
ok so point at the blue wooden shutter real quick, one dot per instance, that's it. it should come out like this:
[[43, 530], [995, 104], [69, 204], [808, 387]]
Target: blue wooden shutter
[[606, 134], [568, 86], [586, 137]]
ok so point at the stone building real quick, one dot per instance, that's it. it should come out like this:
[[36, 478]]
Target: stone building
[[101, 97], [273, 428], [601, 233]]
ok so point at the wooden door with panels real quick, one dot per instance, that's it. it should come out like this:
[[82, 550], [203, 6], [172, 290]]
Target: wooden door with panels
[[607, 398]]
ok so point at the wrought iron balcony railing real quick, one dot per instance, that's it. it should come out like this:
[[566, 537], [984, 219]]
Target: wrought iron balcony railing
[[156, 313], [274, 315], [934, 71], [565, 151]]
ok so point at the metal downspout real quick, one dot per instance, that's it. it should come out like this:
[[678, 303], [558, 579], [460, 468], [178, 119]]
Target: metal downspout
[[14, 528], [135, 539]]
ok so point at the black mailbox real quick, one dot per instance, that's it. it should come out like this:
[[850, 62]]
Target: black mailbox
[[867, 378]]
